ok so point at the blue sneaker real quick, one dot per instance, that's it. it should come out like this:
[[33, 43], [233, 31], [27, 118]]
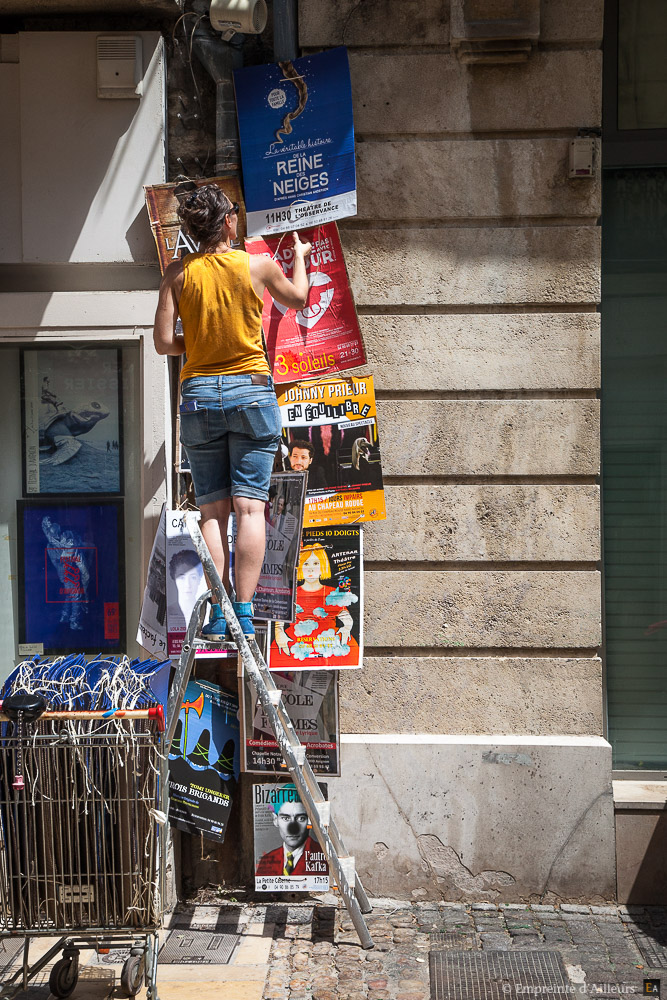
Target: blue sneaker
[[216, 627], [243, 611]]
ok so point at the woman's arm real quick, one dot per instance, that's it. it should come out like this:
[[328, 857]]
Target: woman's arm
[[266, 273], [164, 329]]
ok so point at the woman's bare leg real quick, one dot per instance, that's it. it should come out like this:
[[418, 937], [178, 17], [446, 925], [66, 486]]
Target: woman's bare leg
[[250, 546], [214, 518]]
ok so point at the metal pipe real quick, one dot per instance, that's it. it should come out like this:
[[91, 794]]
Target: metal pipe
[[285, 30]]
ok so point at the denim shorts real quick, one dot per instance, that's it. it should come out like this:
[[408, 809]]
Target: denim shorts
[[231, 437]]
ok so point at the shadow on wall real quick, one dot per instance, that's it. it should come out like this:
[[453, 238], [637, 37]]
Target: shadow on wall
[[641, 847]]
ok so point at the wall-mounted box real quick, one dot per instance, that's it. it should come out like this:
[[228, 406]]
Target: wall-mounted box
[[494, 31], [119, 66]]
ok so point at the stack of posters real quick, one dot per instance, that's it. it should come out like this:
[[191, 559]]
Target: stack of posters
[[71, 538], [162, 206]]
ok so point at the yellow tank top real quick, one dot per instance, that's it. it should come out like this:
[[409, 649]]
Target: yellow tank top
[[221, 315]]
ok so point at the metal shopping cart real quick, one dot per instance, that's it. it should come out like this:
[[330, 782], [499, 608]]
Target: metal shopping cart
[[82, 838]]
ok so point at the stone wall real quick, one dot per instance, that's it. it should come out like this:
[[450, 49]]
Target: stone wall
[[474, 261]]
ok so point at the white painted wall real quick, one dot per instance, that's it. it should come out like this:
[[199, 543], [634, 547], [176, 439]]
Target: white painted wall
[[73, 173]]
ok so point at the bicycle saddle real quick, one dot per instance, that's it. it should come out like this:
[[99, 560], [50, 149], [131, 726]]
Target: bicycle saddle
[[30, 705]]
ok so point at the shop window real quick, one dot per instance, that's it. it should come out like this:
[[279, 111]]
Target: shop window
[[70, 502]]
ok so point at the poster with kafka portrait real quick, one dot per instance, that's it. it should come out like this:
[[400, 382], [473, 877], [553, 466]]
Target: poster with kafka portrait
[[72, 420], [71, 572], [287, 856]]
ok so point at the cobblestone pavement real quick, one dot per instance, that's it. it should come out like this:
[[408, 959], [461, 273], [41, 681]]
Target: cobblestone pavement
[[316, 953]]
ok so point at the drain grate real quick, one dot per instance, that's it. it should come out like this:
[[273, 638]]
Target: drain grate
[[653, 953], [495, 975], [185, 946], [451, 940]]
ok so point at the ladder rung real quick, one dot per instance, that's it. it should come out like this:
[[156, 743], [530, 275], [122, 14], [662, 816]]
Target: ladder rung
[[349, 870], [275, 696], [324, 811]]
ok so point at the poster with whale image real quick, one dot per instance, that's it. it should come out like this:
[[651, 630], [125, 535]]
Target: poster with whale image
[[204, 761], [72, 420], [324, 337]]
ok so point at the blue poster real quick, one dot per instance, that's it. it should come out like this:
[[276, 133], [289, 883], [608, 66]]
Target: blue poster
[[204, 761], [71, 575], [297, 142]]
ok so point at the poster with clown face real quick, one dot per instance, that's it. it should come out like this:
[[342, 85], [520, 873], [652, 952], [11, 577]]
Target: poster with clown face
[[324, 337]]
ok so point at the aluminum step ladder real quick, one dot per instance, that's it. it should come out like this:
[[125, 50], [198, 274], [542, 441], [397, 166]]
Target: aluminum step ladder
[[341, 864]]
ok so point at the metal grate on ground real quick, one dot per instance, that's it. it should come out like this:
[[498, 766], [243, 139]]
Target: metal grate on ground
[[451, 940], [653, 952], [495, 975], [185, 946]]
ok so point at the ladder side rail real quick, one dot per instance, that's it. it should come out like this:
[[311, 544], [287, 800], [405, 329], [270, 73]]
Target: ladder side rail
[[184, 668], [346, 890]]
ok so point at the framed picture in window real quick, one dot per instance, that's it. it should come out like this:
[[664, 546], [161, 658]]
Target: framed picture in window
[[71, 575], [72, 420]]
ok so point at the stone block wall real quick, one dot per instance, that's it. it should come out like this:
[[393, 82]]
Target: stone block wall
[[475, 265], [474, 261]]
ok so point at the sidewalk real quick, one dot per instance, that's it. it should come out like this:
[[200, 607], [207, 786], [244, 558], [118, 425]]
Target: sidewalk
[[299, 951]]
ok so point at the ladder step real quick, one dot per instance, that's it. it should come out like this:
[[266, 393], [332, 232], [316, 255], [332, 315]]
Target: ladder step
[[324, 811], [349, 870], [275, 696]]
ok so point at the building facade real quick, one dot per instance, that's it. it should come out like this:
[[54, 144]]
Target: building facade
[[476, 753]]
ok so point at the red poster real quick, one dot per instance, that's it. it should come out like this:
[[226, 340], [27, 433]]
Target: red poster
[[324, 337]]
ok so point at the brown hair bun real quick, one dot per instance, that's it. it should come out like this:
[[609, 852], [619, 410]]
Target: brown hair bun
[[203, 215]]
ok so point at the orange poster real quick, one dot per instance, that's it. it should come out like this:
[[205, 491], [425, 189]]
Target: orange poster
[[330, 430]]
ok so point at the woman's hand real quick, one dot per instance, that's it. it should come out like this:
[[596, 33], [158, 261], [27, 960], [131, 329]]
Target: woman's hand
[[300, 248]]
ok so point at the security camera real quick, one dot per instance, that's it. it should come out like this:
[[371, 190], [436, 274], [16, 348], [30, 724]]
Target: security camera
[[246, 16]]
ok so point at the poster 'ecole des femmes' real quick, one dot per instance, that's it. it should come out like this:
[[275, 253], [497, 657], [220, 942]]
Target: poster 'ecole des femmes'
[[310, 698], [330, 430], [297, 142], [323, 337], [287, 857], [204, 761]]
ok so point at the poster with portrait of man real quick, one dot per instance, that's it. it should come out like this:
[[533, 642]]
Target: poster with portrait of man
[[287, 856], [330, 430]]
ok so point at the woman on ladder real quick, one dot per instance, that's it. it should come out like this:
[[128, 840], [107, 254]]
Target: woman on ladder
[[230, 420]]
